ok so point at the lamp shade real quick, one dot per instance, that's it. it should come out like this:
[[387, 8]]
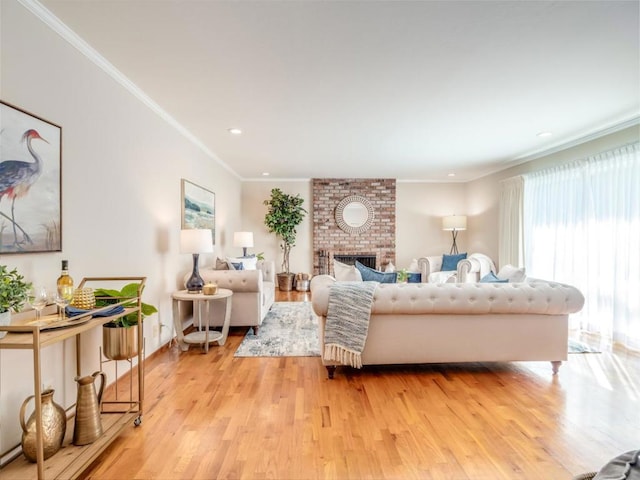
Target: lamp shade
[[454, 222], [243, 239], [196, 240]]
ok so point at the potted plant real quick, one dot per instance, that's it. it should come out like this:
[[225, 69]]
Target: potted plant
[[14, 293], [284, 215], [119, 340], [402, 275]]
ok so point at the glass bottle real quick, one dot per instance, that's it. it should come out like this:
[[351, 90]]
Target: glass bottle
[[64, 280]]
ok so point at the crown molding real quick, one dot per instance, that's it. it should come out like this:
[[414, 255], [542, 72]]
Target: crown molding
[[55, 24]]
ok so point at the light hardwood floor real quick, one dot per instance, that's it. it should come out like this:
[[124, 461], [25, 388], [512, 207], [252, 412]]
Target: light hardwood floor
[[219, 417]]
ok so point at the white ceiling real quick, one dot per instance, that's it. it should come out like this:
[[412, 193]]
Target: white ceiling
[[409, 90]]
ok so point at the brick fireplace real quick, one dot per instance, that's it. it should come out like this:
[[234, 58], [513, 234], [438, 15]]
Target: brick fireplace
[[378, 243]]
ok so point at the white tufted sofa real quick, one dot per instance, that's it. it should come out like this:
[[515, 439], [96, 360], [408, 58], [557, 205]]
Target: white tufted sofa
[[462, 322], [253, 293]]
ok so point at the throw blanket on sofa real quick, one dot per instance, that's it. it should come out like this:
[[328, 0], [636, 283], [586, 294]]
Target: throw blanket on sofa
[[347, 325]]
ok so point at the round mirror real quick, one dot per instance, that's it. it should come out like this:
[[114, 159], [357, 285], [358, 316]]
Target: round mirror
[[354, 214]]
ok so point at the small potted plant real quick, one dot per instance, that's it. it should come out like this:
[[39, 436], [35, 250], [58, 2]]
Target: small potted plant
[[403, 275], [284, 215], [14, 293], [119, 340]]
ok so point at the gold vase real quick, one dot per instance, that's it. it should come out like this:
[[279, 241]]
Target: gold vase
[[88, 425], [54, 426]]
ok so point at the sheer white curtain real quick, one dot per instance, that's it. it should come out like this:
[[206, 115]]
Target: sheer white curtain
[[582, 227], [510, 247]]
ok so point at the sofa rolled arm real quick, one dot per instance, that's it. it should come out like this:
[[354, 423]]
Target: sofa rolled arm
[[320, 286], [268, 268], [429, 265]]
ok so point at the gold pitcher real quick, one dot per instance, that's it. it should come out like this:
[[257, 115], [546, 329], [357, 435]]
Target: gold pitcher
[[88, 425], [54, 426]]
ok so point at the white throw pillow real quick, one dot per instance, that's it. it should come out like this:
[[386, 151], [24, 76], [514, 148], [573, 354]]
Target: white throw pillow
[[511, 273], [346, 273], [248, 263]]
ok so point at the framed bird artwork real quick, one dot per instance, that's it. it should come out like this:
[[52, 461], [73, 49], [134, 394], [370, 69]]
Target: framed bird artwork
[[30, 182]]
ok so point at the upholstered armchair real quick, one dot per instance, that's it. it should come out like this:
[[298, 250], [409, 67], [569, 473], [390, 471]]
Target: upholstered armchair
[[474, 267], [469, 270]]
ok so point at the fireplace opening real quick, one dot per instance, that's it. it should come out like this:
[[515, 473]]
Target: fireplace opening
[[366, 260]]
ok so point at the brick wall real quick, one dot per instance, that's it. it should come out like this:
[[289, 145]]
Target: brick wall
[[379, 240]]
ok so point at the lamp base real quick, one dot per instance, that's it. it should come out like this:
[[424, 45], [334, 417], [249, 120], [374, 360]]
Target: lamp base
[[195, 282]]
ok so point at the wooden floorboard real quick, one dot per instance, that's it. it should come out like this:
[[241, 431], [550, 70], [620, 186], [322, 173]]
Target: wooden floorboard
[[219, 417]]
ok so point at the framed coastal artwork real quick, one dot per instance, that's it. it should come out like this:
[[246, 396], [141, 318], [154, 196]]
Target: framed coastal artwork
[[30, 182], [198, 207]]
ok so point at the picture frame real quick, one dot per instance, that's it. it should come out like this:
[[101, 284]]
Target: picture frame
[[30, 182], [198, 207]]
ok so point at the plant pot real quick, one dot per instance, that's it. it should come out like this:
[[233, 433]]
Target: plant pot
[[119, 343], [285, 281], [5, 320]]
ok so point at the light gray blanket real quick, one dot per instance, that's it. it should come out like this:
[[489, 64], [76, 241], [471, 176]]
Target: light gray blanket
[[347, 323]]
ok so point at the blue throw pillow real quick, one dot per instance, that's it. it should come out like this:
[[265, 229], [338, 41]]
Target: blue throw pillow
[[414, 277], [450, 262], [491, 278], [238, 266], [371, 275]]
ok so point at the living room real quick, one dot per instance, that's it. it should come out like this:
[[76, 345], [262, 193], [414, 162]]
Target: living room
[[123, 159]]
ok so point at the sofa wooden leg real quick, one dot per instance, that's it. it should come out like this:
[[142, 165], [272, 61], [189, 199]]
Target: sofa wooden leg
[[556, 366], [255, 329], [331, 369]]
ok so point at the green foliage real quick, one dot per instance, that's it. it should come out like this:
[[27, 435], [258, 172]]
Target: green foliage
[[14, 291], [106, 296], [402, 275], [284, 215]]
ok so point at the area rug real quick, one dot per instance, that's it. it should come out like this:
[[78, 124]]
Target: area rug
[[290, 329], [576, 346]]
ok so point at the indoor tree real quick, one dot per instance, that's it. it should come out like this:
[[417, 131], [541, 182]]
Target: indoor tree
[[283, 216]]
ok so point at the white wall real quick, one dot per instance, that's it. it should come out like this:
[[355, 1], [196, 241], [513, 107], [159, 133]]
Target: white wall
[[121, 171], [253, 212]]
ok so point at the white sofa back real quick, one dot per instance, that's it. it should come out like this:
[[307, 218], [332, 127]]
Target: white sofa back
[[533, 296]]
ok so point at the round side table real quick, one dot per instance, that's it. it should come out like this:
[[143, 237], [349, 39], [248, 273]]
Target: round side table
[[200, 300]]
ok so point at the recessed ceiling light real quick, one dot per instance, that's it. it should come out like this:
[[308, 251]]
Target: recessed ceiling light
[[544, 134], [265, 174], [234, 131], [451, 174]]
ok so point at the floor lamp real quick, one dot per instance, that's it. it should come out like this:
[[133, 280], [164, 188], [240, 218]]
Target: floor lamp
[[454, 223]]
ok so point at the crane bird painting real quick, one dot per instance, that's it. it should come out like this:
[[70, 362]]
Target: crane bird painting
[[30, 155]]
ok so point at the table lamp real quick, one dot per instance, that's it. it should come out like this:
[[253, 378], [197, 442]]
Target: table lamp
[[455, 223], [196, 241], [244, 240]]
